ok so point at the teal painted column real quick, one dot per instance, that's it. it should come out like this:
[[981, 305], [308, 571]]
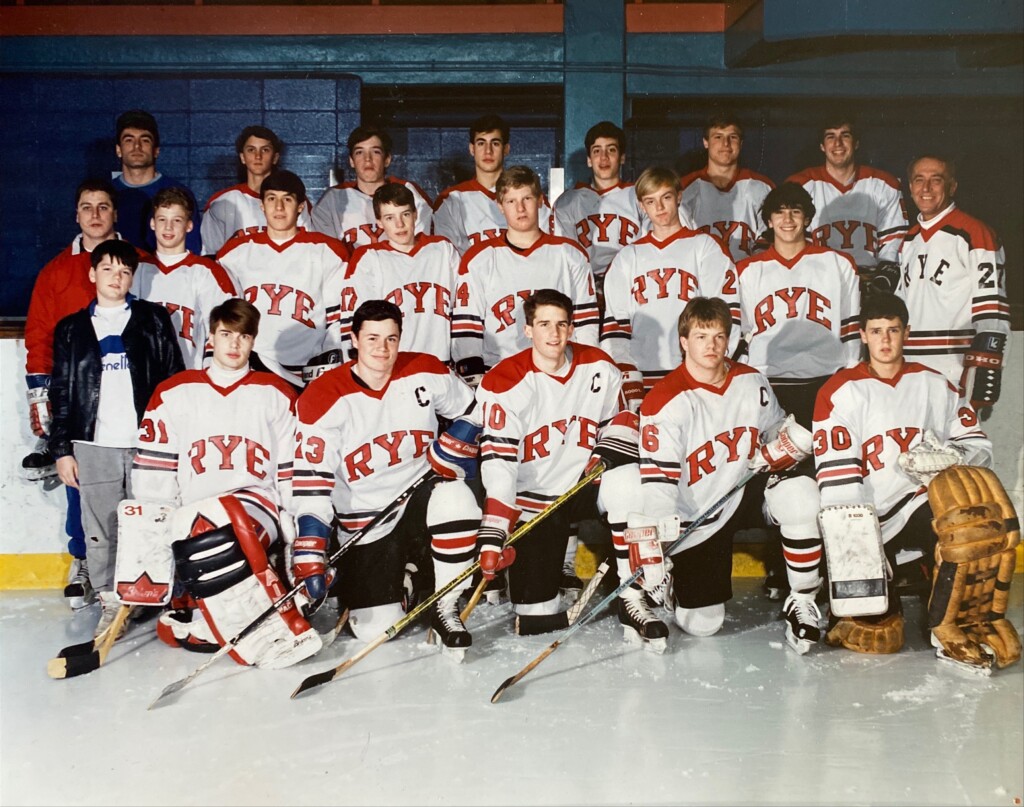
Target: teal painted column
[[595, 50]]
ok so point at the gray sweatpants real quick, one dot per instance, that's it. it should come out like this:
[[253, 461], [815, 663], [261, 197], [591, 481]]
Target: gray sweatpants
[[104, 479]]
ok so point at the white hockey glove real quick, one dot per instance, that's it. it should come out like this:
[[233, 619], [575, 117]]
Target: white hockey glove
[[645, 536], [927, 458], [39, 412], [632, 387], [791, 445]]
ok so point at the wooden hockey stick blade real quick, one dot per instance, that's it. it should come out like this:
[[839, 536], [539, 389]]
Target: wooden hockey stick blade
[[319, 679], [539, 624], [88, 656], [523, 672]]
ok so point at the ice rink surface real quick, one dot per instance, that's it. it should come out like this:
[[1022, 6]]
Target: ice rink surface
[[736, 719]]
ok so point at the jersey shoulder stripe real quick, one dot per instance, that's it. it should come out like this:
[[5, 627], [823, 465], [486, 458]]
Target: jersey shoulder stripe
[[468, 186], [241, 188], [868, 172], [508, 372], [339, 248], [175, 381]]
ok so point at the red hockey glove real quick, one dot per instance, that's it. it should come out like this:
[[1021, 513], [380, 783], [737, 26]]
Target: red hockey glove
[[453, 454], [632, 387], [309, 564], [39, 412], [498, 521]]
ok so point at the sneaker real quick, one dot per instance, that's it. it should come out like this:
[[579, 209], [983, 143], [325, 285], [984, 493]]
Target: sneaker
[[639, 624], [570, 585], [803, 620], [79, 592], [446, 625], [110, 605]]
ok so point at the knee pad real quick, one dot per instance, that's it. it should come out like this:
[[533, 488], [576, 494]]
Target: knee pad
[[453, 519], [792, 504], [704, 621], [619, 492], [369, 623], [546, 608], [451, 503]]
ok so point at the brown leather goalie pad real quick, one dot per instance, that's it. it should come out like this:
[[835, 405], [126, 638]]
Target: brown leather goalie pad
[[977, 530], [868, 634]]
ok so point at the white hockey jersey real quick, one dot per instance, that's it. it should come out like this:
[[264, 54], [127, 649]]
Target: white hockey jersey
[[468, 214], [494, 279], [539, 430], [236, 211], [732, 214], [297, 288], [198, 440], [189, 290], [799, 315], [421, 282], [646, 289], [346, 213], [600, 221], [866, 218], [954, 283], [696, 441], [359, 449], [862, 423]]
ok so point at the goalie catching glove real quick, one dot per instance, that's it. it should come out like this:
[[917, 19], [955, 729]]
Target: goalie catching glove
[[453, 454], [497, 522], [922, 462], [791, 446]]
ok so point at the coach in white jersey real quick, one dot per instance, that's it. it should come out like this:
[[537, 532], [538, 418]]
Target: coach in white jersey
[[723, 198], [239, 208], [468, 213], [497, 275], [954, 282], [549, 413], [346, 211], [650, 281], [187, 285], [858, 209], [220, 441], [367, 431], [415, 271], [293, 277], [870, 419], [604, 215], [798, 311]]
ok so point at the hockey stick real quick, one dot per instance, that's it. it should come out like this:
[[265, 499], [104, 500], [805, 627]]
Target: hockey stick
[[318, 679], [563, 619], [79, 659], [508, 682], [230, 645]]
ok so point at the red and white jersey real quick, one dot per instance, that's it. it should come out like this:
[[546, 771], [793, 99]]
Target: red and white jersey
[[732, 213], [296, 286], [421, 283], [198, 439], [862, 423], [468, 214], [799, 315], [346, 213], [696, 441], [866, 218], [359, 449], [954, 282], [600, 221], [539, 430], [236, 211], [189, 290], [494, 279], [646, 289]]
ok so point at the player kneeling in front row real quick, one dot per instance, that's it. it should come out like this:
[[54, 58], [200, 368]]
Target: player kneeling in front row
[[702, 429], [214, 467], [897, 446], [367, 431], [550, 413]]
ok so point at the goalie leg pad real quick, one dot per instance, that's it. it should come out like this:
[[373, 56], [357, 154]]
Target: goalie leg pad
[[855, 559], [977, 531], [877, 635], [223, 564], [144, 564]]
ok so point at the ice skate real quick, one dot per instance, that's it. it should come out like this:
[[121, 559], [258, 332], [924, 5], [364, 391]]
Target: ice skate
[[639, 624], [984, 668], [569, 585], [803, 620], [79, 592], [110, 605], [446, 626]]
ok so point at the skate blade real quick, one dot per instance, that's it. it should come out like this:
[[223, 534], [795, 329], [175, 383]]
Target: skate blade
[[984, 670], [494, 597], [456, 655], [800, 646], [657, 646]]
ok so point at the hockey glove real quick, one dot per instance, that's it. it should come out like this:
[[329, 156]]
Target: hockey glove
[[39, 413], [883, 277], [927, 458], [498, 521], [309, 557], [453, 455], [471, 370], [791, 445], [632, 387], [321, 363], [618, 444], [983, 369]]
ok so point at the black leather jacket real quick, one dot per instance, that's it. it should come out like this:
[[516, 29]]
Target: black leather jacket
[[153, 356]]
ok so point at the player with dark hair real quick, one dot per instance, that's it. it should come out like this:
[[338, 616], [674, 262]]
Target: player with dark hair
[[954, 282], [367, 431], [468, 213], [897, 446], [138, 181], [238, 209], [346, 211], [858, 209], [723, 198]]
